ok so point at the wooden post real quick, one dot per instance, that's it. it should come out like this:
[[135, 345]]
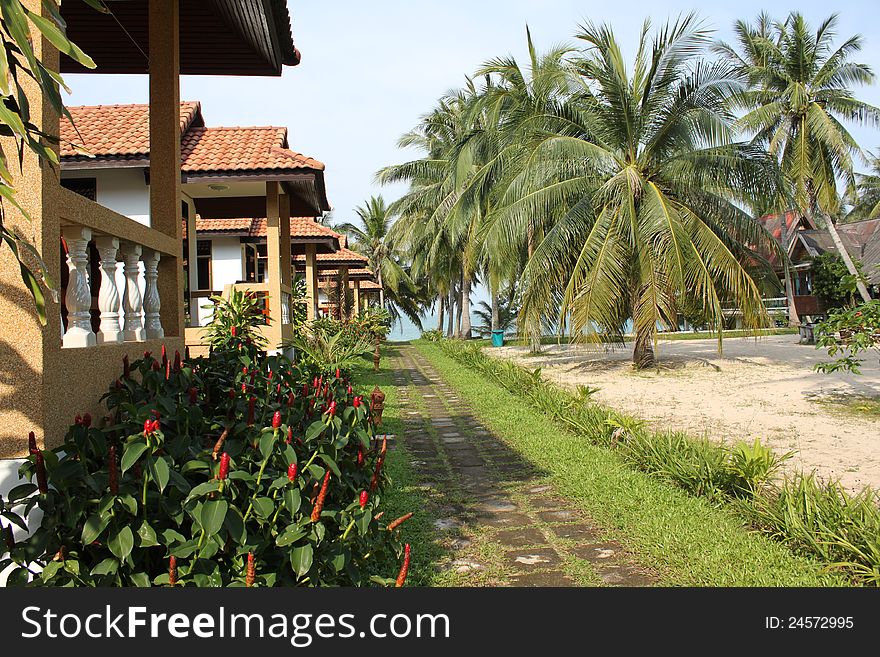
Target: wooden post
[[357, 297], [344, 310], [311, 282], [165, 192]]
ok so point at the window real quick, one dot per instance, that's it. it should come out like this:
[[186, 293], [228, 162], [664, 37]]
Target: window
[[87, 187], [203, 263]]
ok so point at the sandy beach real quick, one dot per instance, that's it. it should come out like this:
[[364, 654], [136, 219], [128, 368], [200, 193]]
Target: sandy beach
[[764, 388]]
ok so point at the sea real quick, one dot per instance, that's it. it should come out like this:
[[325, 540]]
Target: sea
[[405, 330]]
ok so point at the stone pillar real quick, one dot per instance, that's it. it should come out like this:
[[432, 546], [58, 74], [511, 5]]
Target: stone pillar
[[79, 295], [357, 297], [284, 246], [152, 303], [273, 262], [165, 196], [344, 310], [108, 295], [311, 282], [132, 305], [192, 240]]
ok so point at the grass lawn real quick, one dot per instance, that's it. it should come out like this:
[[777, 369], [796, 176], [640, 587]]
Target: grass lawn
[[688, 540]]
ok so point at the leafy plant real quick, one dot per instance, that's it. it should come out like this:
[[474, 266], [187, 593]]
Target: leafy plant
[[832, 282], [231, 470], [753, 466], [432, 336], [849, 332], [235, 320], [320, 350]]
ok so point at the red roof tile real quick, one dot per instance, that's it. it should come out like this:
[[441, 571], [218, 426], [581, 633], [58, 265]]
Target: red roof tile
[[124, 131], [300, 227], [342, 255]]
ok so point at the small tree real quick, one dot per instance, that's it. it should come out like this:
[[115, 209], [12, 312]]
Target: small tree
[[847, 333], [832, 282]]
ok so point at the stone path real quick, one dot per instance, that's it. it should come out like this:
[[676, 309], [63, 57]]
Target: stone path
[[500, 521]]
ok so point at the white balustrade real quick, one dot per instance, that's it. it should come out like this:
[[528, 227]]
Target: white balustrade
[[108, 294], [132, 304], [285, 308], [152, 304], [79, 296]]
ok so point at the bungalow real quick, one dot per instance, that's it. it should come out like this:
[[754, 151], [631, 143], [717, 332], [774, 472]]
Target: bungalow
[[52, 372]]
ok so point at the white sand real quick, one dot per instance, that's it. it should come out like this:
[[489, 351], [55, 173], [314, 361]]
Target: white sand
[[763, 388]]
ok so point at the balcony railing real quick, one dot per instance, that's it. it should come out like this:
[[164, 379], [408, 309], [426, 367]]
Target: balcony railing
[[112, 267]]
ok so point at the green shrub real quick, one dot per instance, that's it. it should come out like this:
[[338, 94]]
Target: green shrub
[[234, 467]]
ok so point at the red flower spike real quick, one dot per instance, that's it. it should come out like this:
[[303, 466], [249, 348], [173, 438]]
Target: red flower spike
[[338, 373], [118, 384], [319, 503], [177, 363], [244, 370], [397, 523], [164, 355], [269, 376], [42, 485], [167, 369], [114, 473], [186, 353], [244, 387], [224, 467], [360, 459], [356, 402], [148, 354], [305, 389], [172, 571], [87, 420], [278, 389], [251, 571], [365, 497], [32, 443], [404, 569], [348, 390], [126, 368], [193, 395], [233, 331], [231, 393], [78, 419], [290, 398], [276, 420], [332, 408], [156, 367], [251, 405], [289, 435], [291, 471]]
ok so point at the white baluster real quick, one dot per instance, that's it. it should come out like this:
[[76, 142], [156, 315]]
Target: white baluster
[[133, 329], [108, 295], [79, 297], [152, 303]]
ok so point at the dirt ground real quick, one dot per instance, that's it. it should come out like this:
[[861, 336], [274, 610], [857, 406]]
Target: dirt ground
[[764, 388]]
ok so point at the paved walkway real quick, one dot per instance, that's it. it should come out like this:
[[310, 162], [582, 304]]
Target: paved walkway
[[499, 520]]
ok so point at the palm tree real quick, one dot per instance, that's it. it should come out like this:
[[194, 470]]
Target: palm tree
[[799, 91], [866, 196], [500, 317], [645, 187], [371, 239]]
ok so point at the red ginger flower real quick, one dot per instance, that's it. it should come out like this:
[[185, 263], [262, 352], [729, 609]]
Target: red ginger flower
[[276, 420], [224, 467], [322, 495], [114, 473], [87, 420], [397, 523], [42, 484], [365, 497], [164, 355], [172, 571], [251, 404], [150, 426], [356, 402], [32, 443], [244, 370], [231, 393], [348, 390], [193, 395], [291, 471], [289, 434], [177, 362], [78, 419], [404, 569], [338, 373], [126, 368], [305, 389], [233, 331], [360, 458], [251, 571], [290, 397]]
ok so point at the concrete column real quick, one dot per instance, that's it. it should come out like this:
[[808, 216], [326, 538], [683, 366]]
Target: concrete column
[[165, 196], [284, 248], [311, 282], [344, 310], [273, 262], [357, 297]]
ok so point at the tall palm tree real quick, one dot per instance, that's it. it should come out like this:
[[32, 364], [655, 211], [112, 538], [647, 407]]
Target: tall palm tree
[[645, 185], [371, 239], [865, 197], [799, 92]]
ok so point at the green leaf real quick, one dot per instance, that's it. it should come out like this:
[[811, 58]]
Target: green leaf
[[159, 471], [363, 523], [315, 429], [51, 570], [291, 535], [330, 464], [264, 506], [301, 559], [234, 524], [140, 579], [212, 516], [203, 489], [128, 503], [94, 526], [292, 499], [121, 542], [20, 492], [267, 444], [132, 453], [59, 40], [107, 567], [147, 535]]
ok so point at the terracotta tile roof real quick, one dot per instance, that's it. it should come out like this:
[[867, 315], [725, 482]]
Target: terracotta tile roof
[[234, 226], [366, 285], [342, 255], [120, 131], [300, 227], [360, 272]]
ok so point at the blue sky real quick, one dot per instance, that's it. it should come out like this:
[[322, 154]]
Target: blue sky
[[370, 69]]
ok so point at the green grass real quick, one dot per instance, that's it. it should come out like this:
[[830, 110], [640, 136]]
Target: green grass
[[687, 539], [854, 405], [402, 496]]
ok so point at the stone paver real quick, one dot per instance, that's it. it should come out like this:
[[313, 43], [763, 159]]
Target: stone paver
[[487, 500]]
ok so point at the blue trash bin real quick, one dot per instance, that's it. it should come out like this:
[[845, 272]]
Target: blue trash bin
[[498, 338]]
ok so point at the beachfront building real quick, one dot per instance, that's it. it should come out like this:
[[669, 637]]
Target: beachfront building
[[55, 371]]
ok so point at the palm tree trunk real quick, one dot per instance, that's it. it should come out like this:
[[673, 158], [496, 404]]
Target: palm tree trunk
[[381, 287], [450, 308], [643, 352], [465, 333], [793, 319], [495, 317], [850, 265], [441, 302]]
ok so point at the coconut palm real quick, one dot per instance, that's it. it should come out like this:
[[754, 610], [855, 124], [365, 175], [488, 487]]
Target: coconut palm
[[866, 196], [646, 187], [371, 239], [800, 91]]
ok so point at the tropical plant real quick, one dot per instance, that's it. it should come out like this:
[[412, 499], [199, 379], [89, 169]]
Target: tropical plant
[[327, 345], [865, 197], [223, 471], [503, 318], [18, 63], [235, 319], [831, 282], [646, 185], [799, 92], [847, 332]]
